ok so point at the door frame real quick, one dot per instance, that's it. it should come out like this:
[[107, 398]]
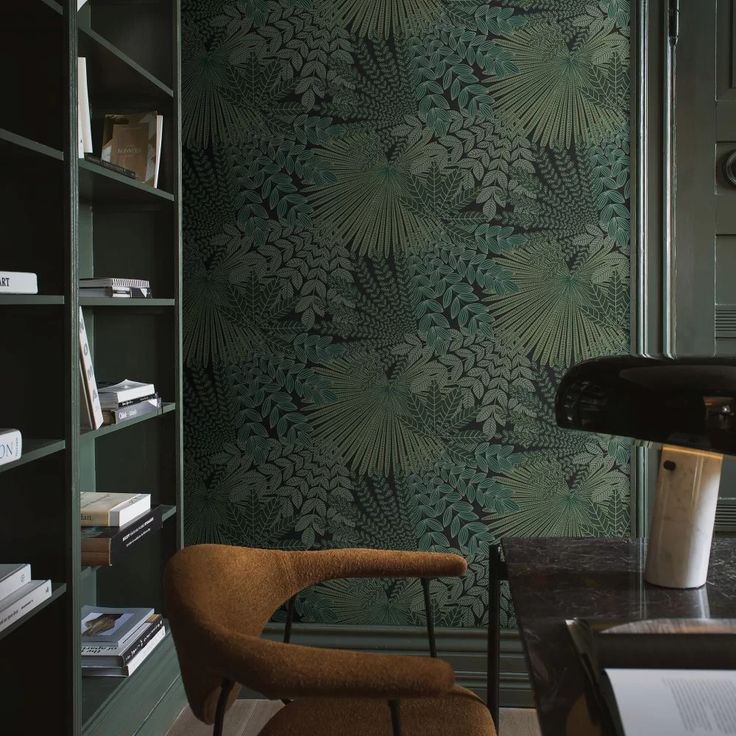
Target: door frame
[[652, 41]]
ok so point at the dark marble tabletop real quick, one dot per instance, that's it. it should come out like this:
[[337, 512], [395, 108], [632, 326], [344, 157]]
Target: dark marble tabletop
[[555, 579]]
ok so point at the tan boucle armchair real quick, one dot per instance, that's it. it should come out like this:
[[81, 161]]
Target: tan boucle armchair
[[219, 601]]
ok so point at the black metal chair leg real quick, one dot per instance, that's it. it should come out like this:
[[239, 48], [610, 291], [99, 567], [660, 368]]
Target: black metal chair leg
[[496, 570], [430, 618], [225, 689], [289, 619], [395, 717]]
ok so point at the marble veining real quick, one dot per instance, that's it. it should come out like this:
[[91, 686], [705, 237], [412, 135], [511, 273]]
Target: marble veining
[[555, 579]]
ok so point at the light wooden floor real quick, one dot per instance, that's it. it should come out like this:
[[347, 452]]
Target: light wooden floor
[[247, 718]]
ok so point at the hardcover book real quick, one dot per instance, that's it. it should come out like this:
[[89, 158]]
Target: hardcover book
[[84, 119], [107, 655], [13, 577], [11, 446], [103, 545], [127, 669], [132, 411], [112, 509], [24, 600], [18, 282], [113, 626], [114, 395], [90, 397], [115, 282], [134, 142]]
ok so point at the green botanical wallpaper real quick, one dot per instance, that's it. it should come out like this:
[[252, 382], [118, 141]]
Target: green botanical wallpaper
[[403, 220]]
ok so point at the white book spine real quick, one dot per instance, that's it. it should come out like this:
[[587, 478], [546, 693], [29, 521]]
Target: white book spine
[[88, 376], [84, 115], [23, 604], [16, 580], [17, 282], [11, 446]]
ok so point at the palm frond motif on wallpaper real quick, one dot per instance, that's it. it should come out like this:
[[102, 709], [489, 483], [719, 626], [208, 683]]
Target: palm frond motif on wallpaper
[[403, 220]]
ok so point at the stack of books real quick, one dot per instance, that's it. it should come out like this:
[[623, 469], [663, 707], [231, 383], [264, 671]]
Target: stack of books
[[127, 400], [115, 287], [113, 522], [116, 641], [11, 446], [19, 594]]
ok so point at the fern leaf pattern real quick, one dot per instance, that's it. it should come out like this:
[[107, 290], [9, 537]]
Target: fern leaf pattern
[[404, 219]]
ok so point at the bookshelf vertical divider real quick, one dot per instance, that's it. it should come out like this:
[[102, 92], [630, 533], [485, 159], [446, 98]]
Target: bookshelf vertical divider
[[65, 219]]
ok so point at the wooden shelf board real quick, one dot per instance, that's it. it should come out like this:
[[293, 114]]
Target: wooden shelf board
[[20, 145], [99, 185], [121, 73], [22, 300], [107, 429], [125, 302], [35, 449], [108, 697], [57, 590]]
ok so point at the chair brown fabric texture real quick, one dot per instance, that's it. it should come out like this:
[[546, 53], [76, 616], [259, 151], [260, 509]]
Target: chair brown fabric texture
[[220, 599]]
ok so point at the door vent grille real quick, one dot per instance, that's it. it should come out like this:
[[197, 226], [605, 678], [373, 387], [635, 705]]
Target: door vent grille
[[725, 320], [726, 516]]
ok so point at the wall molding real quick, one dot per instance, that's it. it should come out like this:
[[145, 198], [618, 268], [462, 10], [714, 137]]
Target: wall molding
[[465, 649]]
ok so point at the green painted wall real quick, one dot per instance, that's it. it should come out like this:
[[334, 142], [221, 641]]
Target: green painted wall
[[403, 220]]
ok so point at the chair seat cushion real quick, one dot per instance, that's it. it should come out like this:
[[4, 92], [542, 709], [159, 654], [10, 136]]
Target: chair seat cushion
[[460, 713]]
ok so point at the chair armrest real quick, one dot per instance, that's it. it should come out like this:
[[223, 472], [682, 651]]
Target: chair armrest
[[291, 671], [324, 565]]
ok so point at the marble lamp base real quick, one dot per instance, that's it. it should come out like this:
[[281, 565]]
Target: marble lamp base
[[684, 514]]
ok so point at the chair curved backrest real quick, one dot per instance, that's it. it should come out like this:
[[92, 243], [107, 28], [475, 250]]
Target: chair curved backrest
[[220, 598]]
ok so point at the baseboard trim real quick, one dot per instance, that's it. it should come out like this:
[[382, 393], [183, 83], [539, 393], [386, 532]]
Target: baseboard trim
[[465, 649]]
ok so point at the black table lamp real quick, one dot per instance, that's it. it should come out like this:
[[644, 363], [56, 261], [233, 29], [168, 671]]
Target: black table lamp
[[688, 406]]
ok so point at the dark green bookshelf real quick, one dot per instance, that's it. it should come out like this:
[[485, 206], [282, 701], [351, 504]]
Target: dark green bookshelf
[[35, 450], [117, 303], [66, 218], [98, 185], [57, 590], [92, 434], [15, 146]]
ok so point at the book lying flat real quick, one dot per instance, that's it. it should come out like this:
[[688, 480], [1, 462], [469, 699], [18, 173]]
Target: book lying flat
[[13, 577], [114, 281], [129, 668], [113, 395], [105, 655], [671, 702], [133, 410], [18, 282], [103, 545], [113, 626], [24, 600], [11, 446], [112, 509]]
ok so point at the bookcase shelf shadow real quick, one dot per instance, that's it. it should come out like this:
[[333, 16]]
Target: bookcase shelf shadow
[[57, 590], [66, 218], [35, 449], [92, 434]]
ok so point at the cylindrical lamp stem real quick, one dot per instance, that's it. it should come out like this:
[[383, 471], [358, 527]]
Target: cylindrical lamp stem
[[683, 518]]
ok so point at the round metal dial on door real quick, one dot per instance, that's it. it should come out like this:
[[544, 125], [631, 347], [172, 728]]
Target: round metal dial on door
[[729, 168]]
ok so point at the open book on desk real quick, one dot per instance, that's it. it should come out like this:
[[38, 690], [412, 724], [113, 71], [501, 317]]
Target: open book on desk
[[661, 676]]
